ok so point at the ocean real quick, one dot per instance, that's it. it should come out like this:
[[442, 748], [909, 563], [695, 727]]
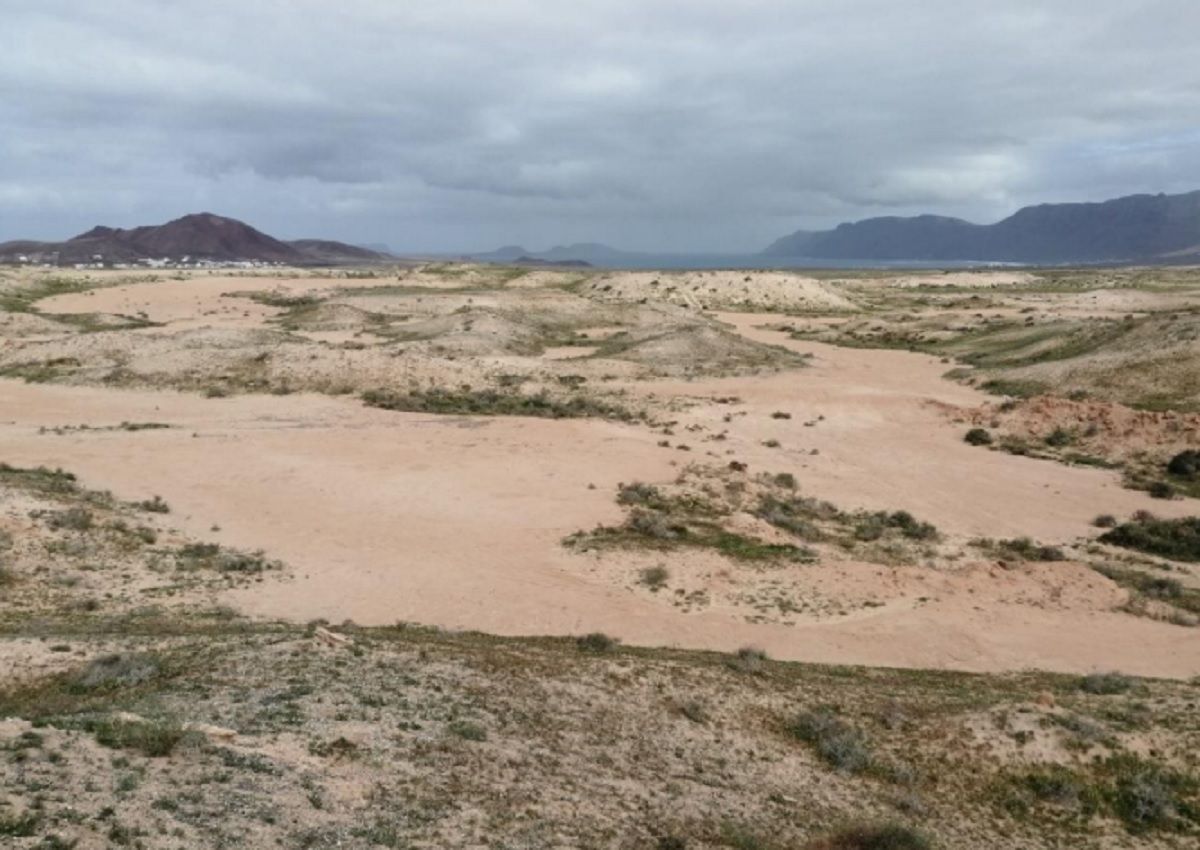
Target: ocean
[[759, 261]]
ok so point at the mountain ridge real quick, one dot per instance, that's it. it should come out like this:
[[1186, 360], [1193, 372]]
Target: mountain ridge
[[1132, 228], [196, 236]]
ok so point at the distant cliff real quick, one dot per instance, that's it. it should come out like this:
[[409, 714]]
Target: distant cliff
[[1137, 228]]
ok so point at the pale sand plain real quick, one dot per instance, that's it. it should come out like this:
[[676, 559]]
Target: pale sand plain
[[458, 521]]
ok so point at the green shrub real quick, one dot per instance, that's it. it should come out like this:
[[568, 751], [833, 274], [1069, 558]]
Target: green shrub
[[1142, 794], [1062, 786], [1168, 538], [786, 480], [596, 642], [1162, 587], [19, 826], [278, 299], [637, 493], [494, 403], [199, 551], [838, 743], [910, 527], [694, 711], [154, 738], [1105, 683], [1022, 548], [742, 837], [1060, 437], [1161, 490], [193, 556], [1145, 796], [654, 525], [748, 659], [340, 747], [154, 506], [743, 548], [1159, 587], [122, 670], [872, 526], [881, 837], [468, 730], [1185, 465], [72, 519], [978, 437], [654, 578], [797, 515]]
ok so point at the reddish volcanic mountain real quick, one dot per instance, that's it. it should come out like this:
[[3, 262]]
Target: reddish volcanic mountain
[[201, 236]]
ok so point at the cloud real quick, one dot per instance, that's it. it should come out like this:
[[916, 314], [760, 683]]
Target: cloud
[[696, 125]]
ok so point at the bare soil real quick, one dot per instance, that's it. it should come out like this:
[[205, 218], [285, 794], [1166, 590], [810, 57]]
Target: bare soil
[[802, 487]]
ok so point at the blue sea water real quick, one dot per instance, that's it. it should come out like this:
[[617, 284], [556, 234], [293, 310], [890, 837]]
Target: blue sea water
[[759, 261]]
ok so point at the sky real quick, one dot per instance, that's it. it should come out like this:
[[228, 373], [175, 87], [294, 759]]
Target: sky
[[653, 125]]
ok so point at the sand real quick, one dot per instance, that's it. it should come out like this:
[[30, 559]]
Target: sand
[[759, 290], [457, 522], [982, 279]]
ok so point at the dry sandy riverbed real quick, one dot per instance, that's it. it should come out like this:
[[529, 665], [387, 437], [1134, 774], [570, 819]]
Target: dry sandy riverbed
[[457, 522]]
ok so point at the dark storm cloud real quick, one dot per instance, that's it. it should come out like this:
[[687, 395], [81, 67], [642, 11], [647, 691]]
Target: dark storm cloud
[[690, 125]]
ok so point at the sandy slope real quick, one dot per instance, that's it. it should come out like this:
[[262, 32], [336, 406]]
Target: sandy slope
[[983, 279], [721, 290], [884, 443], [196, 302]]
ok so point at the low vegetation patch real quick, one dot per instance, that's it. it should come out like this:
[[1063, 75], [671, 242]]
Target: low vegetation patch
[[840, 745], [48, 482], [1106, 684], [1142, 794], [496, 403], [41, 371], [117, 671], [748, 659], [654, 578], [22, 825], [597, 642], [873, 526], [1019, 549], [154, 506], [1163, 589], [1185, 465], [154, 738], [468, 730], [818, 521], [978, 437], [427, 709], [872, 837], [210, 556], [697, 511], [1178, 539], [22, 299], [651, 529], [280, 299]]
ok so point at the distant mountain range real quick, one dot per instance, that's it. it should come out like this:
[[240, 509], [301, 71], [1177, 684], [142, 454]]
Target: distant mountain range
[[1136, 228], [588, 253], [1133, 229], [201, 236]]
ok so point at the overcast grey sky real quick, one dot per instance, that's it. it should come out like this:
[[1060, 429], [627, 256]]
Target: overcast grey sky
[[648, 124]]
